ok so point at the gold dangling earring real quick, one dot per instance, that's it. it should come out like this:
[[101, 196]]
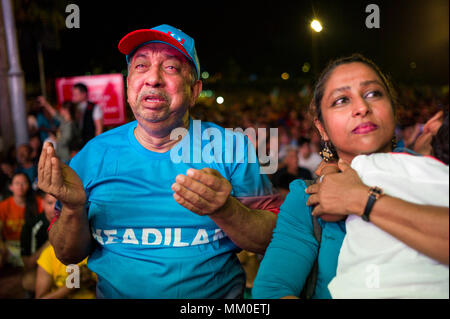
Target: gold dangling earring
[[394, 142], [326, 153]]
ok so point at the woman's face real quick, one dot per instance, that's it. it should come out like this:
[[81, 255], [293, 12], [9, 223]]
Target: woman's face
[[49, 206], [19, 185], [357, 112]]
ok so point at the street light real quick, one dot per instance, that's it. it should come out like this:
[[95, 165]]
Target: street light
[[316, 26]]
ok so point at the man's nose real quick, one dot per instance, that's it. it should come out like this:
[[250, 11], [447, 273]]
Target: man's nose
[[153, 77]]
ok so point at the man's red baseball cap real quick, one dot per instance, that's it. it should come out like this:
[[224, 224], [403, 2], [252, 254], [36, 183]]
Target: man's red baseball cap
[[163, 34]]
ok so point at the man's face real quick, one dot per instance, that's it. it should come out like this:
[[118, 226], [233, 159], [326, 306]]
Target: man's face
[[78, 96], [160, 87], [23, 154]]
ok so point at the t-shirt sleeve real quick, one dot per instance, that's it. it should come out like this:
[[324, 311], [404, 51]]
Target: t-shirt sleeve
[[45, 260], [291, 253], [251, 186]]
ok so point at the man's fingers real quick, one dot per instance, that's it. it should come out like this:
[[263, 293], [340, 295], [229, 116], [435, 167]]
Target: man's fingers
[[42, 159], [47, 169], [190, 197], [211, 171], [201, 189], [183, 202], [206, 177], [41, 166], [56, 177]]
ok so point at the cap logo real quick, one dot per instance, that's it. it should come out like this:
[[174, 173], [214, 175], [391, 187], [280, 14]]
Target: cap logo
[[176, 37]]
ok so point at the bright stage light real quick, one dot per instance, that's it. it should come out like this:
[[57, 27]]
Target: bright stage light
[[316, 26]]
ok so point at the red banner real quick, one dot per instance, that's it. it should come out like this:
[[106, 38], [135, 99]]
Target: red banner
[[106, 90]]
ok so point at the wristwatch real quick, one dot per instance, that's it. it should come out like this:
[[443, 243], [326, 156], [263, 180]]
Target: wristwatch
[[374, 193]]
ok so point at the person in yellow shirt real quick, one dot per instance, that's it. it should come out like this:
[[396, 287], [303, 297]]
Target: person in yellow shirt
[[52, 280]]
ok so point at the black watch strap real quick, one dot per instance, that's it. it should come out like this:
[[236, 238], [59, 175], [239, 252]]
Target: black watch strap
[[374, 193]]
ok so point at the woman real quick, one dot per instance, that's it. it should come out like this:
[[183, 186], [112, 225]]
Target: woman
[[355, 114], [21, 206]]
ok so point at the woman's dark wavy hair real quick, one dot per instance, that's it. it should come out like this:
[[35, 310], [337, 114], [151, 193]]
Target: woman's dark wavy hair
[[31, 207], [319, 89]]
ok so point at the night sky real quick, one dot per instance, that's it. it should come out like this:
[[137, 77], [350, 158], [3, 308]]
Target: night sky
[[263, 38]]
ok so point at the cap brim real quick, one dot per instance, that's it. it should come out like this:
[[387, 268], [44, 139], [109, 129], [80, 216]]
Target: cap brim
[[136, 38]]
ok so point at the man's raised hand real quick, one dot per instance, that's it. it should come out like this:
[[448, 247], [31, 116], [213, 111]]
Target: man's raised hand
[[59, 180]]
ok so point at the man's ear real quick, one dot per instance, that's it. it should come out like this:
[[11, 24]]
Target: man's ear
[[321, 129], [196, 90]]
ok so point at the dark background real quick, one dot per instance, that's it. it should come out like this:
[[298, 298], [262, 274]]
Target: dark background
[[240, 39]]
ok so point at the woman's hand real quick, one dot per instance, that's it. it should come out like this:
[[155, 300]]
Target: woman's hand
[[339, 193], [325, 168]]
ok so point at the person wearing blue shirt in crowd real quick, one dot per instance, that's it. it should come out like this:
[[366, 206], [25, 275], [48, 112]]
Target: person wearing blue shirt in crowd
[[153, 223], [354, 106]]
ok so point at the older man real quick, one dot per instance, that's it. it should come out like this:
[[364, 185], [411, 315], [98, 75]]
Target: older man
[[154, 227]]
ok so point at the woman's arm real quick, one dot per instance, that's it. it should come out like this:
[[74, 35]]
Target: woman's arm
[[291, 253], [422, 227], [44, 103], [44, 284]]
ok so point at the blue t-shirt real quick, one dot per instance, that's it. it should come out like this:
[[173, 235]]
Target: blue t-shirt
[[290, 256], [149, 246]]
